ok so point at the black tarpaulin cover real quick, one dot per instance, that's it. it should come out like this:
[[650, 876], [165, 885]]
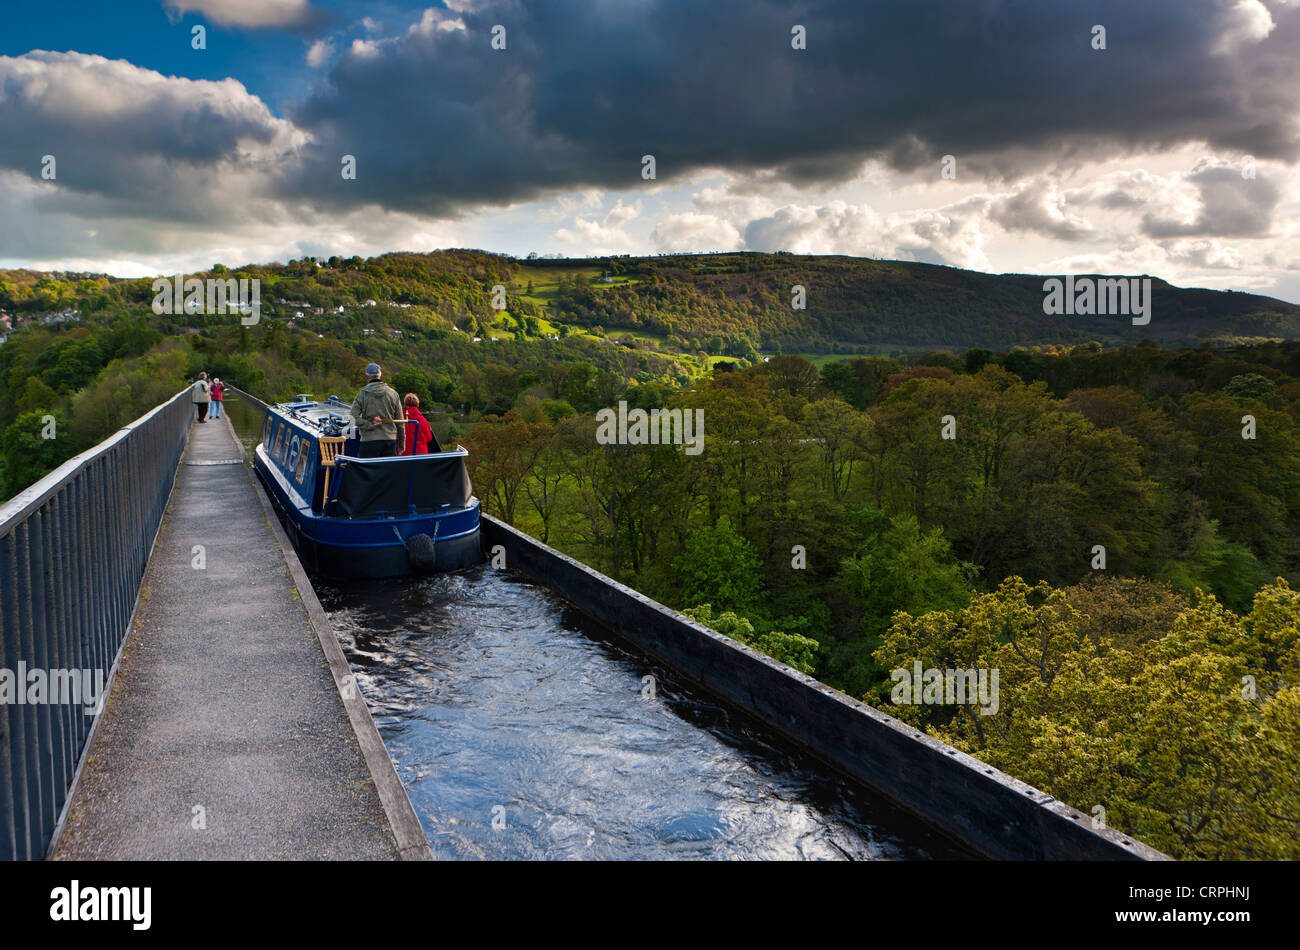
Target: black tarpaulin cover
[[375, 487]]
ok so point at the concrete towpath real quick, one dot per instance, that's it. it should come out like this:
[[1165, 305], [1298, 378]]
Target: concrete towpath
[[225, 734]]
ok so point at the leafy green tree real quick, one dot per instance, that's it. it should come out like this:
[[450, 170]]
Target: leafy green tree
[[557, 409], [33, 446], [841, 433], [413, 381], [898, 566], [579, 390], [1250, 386], [718, 566], [791, 649], [1183, 740], [1251, 485], [794, 374]]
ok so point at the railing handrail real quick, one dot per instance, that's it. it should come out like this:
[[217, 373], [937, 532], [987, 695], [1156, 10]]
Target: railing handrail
[[33, 496], [73, 550]]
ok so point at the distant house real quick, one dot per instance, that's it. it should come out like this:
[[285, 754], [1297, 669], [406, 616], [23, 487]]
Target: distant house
[[298, 315], [477, 339], [319, 311], [338, 309], [371, 303], [367, 331], [394, 332]]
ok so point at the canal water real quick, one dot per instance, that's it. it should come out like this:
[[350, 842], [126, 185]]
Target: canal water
[[522, 729]]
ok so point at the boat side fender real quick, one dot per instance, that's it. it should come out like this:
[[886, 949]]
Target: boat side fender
[[420, 552]]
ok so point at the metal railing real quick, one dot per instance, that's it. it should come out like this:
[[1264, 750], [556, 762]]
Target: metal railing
[[73, 549]]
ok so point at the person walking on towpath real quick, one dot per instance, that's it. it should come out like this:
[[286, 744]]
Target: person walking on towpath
[[218, 390], [201, 396], [374, 411]]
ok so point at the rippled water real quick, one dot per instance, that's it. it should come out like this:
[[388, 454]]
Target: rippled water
[[522, 731]]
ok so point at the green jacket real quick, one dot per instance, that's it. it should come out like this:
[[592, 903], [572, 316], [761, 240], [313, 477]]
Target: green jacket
[[377, 399]]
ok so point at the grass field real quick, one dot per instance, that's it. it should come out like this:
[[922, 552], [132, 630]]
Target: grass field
[[819, 359], [546, 281]]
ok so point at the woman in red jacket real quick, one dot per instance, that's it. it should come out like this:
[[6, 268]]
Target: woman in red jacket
[[218, 390], [423, 431]]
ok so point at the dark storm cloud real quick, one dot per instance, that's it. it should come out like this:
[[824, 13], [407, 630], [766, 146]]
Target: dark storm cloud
[[439, 121]]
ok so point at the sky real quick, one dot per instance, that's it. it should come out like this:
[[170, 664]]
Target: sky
[[1158, 137]]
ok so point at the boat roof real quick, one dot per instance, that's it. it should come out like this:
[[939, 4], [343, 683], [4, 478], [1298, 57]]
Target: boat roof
[[315, 413]]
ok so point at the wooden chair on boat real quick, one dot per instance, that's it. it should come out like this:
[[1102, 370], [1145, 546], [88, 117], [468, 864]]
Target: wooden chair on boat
[[330, 447]]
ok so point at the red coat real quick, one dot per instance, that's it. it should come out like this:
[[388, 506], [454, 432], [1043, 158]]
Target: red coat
[[217, 389], [422, 430]]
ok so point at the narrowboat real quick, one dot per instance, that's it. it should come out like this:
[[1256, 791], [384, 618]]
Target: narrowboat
[[373, 517]]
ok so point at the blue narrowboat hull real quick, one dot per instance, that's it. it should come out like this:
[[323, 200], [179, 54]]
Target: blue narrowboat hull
[[421, 532]]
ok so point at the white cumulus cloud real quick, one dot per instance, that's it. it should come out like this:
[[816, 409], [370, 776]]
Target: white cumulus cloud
[[318, 53]]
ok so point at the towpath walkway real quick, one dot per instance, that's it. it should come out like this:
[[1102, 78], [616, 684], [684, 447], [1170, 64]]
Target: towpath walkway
[[225, 733]]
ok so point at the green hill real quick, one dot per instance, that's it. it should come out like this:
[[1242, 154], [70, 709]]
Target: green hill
[[716, 304], [859, 305]]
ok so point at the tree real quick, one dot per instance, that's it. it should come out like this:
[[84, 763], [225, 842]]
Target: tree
[[841, 432], [791, 649], [578, 387], [793, 374], [502, 455], [544, 479], [897, 566], [413, 381], [1128, 611], [1184, 740], [33, 446], [1250, 386], [471, 386], [718, 566], [1250, 485]]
